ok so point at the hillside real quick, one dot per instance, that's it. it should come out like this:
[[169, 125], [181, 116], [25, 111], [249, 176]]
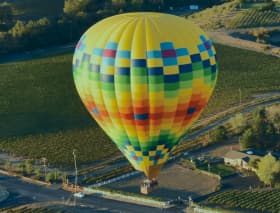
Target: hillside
[[215, 17], [232, 15], [255, 18], [50, 112], [36, 8]]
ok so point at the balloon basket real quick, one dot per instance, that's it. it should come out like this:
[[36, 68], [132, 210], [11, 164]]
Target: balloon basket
[[148, 186]]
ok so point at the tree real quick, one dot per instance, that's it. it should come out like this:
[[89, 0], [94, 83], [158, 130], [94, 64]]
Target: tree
[[37, 172], [273, 112], [268, 168], [219, 134], [8, 166], [137, 2], [72, 7], [29, 166], [254, 163], [64, 178], [238, 123], [268, 6], [119, 3], [259, 128], [18, 30], [78, 7], [263, 130], [276, 122], [6, 14], [241, 3], [21, 167], [259, 114], [49, 177], [270, 135], [247, 140], [56, 174]]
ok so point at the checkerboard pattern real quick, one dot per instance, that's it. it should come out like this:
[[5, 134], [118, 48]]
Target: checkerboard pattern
[[145, 90]]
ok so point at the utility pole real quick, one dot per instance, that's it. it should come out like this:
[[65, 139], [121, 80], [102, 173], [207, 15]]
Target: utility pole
[[71, 31], [45, 167], [76, 174], [240, 96]]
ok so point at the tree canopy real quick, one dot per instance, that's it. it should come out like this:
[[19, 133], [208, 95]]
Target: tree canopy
[[6, 13], [268, 169]]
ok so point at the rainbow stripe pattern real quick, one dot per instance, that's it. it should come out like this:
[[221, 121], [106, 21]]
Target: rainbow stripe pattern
[[145, 78]]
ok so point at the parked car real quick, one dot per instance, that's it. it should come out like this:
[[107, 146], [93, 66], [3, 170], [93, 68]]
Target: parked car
[[79, 195]]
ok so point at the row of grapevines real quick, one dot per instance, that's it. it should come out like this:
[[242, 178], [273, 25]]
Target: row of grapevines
[[259, 200]]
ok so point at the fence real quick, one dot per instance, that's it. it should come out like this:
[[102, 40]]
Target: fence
[[129, 198], [116, 179]]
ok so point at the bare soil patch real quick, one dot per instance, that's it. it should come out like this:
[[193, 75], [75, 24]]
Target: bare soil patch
[[174, 181]]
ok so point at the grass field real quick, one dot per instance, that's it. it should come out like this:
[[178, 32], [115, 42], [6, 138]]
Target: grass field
[[258, 200], [39, 104], [218, 169]]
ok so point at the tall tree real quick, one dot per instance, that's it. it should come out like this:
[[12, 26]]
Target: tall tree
[[72, 7], [268, 168], [260, 114], [238, 123], [6, 13], [8, 166], [247, 140], [29, 166], [276, 122], [219, 134]]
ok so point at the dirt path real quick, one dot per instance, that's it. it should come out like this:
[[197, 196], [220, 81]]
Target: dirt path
[[223, 37]]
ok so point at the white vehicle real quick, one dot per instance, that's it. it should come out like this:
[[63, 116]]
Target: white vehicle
[[79, 195], [250, 152], [186, 153]]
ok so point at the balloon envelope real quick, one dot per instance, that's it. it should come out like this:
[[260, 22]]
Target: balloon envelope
[[145, 77]]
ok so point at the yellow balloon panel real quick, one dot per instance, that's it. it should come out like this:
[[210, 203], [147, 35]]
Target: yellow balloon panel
[[145, 78]]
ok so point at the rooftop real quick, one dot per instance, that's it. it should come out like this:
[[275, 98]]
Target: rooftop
[[233, 154]]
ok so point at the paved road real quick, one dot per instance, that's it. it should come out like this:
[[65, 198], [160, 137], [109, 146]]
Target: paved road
[[226, 118], [28, 55], [24, 193]]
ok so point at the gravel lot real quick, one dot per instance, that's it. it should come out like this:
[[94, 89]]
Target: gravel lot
[[174, 180]]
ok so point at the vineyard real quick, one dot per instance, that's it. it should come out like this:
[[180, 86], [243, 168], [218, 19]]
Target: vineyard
[[101, 165], [215, 17], [39, 96], [255, 18], [91, 144], [229, 15], [256, 200], [250, 71], [47, 119], [31, 210], [109, 175]]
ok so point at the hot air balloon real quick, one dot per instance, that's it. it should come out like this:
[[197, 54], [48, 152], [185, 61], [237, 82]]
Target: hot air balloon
[[145, 78]]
